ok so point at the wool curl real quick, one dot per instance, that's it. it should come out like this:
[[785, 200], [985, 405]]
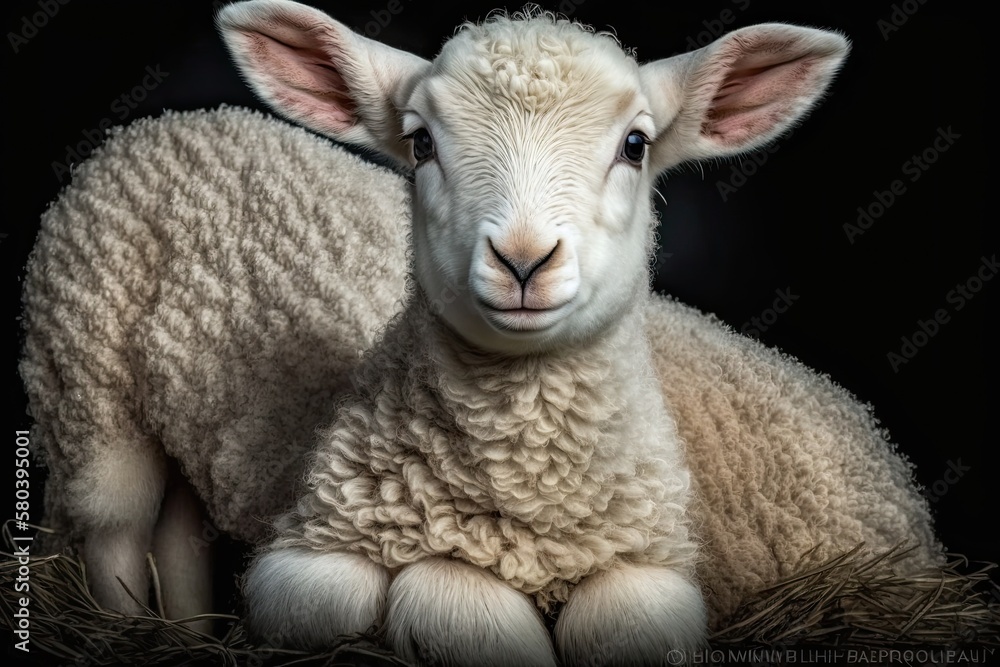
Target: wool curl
[[191, 295], [539, 468], [563, 55]]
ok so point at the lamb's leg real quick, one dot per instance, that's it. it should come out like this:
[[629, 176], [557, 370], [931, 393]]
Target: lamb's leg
[[632, 615], [447, 612], [307, 599], [183, 554], [115, 499]]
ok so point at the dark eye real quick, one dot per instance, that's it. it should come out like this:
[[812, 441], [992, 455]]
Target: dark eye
[[634, 148], [423, 145]]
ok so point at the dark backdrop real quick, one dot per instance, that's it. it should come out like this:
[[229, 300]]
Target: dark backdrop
[[738, 236]]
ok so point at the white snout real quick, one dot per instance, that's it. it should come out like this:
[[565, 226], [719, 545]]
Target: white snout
[[522, 283]]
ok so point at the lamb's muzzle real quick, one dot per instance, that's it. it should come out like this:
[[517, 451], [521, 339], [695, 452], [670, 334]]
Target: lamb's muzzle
[[540, 292]]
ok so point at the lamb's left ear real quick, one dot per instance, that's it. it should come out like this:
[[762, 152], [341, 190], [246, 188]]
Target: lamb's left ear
[[318, 72], [740, 92]]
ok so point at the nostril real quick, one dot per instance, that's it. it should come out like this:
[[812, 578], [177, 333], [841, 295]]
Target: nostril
[[514, 267], [522, 269]]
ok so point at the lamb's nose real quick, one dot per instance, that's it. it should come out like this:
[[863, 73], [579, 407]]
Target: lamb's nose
[[521, 267]]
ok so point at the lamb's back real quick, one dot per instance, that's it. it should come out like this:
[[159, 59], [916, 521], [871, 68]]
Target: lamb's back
[[209, 278]]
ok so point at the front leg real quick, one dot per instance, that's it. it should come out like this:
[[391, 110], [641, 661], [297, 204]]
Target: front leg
[[632, 615], [306, 598], [447, 612]]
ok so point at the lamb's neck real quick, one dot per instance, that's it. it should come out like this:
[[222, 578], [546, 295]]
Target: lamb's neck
[[504, 395], [542, 432]]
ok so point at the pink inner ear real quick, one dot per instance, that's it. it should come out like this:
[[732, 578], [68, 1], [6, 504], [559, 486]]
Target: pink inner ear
[[301, 78], [763, 85]]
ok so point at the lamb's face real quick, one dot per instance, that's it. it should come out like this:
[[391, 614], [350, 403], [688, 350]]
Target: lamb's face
[[532, 215], [532, 222]]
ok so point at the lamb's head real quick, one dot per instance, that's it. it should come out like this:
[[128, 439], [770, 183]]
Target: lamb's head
[[532, 200], [535, 144]]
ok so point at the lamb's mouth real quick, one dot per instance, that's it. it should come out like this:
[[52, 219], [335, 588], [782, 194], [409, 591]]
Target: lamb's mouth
[[523, 319]]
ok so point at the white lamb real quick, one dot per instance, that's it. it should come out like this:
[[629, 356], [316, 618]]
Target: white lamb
[[514, 442]]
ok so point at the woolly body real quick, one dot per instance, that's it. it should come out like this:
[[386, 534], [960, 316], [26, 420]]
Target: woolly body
[[477, 450], [193, 294], [788, 468], [781, 459]]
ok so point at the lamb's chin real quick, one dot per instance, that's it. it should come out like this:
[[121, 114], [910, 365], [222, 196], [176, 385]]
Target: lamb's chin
[[524, 320], [507, 332]]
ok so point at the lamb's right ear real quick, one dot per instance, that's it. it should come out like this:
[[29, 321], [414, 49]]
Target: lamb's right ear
[[318, 72]]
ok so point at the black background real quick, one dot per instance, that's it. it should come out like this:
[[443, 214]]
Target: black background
[[780, 230]]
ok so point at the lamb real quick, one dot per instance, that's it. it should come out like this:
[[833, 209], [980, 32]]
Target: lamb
[[533, 429], [517, 442]]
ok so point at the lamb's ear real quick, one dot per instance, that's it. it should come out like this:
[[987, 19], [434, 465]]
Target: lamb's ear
[[318, 72], [740, 92]]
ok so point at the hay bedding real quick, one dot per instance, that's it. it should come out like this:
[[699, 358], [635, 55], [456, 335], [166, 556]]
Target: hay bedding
[[853, 600]]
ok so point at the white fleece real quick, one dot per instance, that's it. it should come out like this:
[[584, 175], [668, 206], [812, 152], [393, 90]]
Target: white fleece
[[209, 279]]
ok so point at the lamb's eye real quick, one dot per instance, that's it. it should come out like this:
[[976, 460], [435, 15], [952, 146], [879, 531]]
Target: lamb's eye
[[423, 145], [634, 147]]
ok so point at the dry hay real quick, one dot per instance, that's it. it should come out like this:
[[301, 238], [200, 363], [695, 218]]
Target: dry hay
[[851, 600], [859, 600]]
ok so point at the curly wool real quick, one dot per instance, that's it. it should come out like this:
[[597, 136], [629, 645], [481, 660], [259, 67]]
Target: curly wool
[[543, 468], [529, 62], [202, 289], [788, 469], [142, 332]]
